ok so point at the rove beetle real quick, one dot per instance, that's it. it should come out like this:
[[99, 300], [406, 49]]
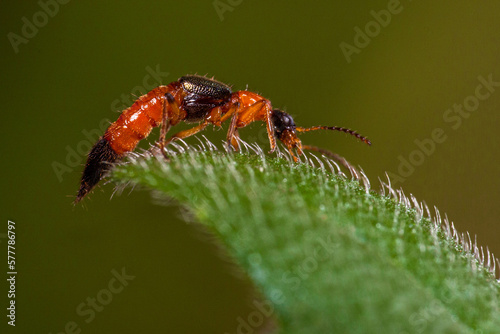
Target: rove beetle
[[193, 99]]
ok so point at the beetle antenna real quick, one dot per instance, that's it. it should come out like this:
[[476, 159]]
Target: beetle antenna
[[336, 128]]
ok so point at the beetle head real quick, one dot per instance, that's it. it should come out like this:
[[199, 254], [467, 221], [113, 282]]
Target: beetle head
[[285, 130]]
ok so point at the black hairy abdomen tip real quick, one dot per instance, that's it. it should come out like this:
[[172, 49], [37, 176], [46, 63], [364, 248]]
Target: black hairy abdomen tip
[[98, 163]]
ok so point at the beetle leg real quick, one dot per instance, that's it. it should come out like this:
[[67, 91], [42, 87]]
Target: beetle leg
[[259, 111], [295, 159], [231, 132], [187, 133], [270, 130], [234, 140], [168, 104]]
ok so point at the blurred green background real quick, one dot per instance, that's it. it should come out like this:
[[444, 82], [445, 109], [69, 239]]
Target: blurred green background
[[75, 69]]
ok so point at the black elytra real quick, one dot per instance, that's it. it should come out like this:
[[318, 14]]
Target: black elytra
[[204, 94]]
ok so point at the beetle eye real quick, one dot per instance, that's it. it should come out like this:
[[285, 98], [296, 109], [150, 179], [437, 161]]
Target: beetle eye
[[288, 121]]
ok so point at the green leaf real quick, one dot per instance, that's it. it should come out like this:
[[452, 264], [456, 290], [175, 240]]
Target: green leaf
[[328, 254]]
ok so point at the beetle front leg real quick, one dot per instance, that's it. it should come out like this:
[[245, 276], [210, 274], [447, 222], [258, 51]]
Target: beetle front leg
[[270, 130], [259, 111]]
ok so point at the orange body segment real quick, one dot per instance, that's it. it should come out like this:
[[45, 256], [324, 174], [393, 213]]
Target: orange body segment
[[136, 122]]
